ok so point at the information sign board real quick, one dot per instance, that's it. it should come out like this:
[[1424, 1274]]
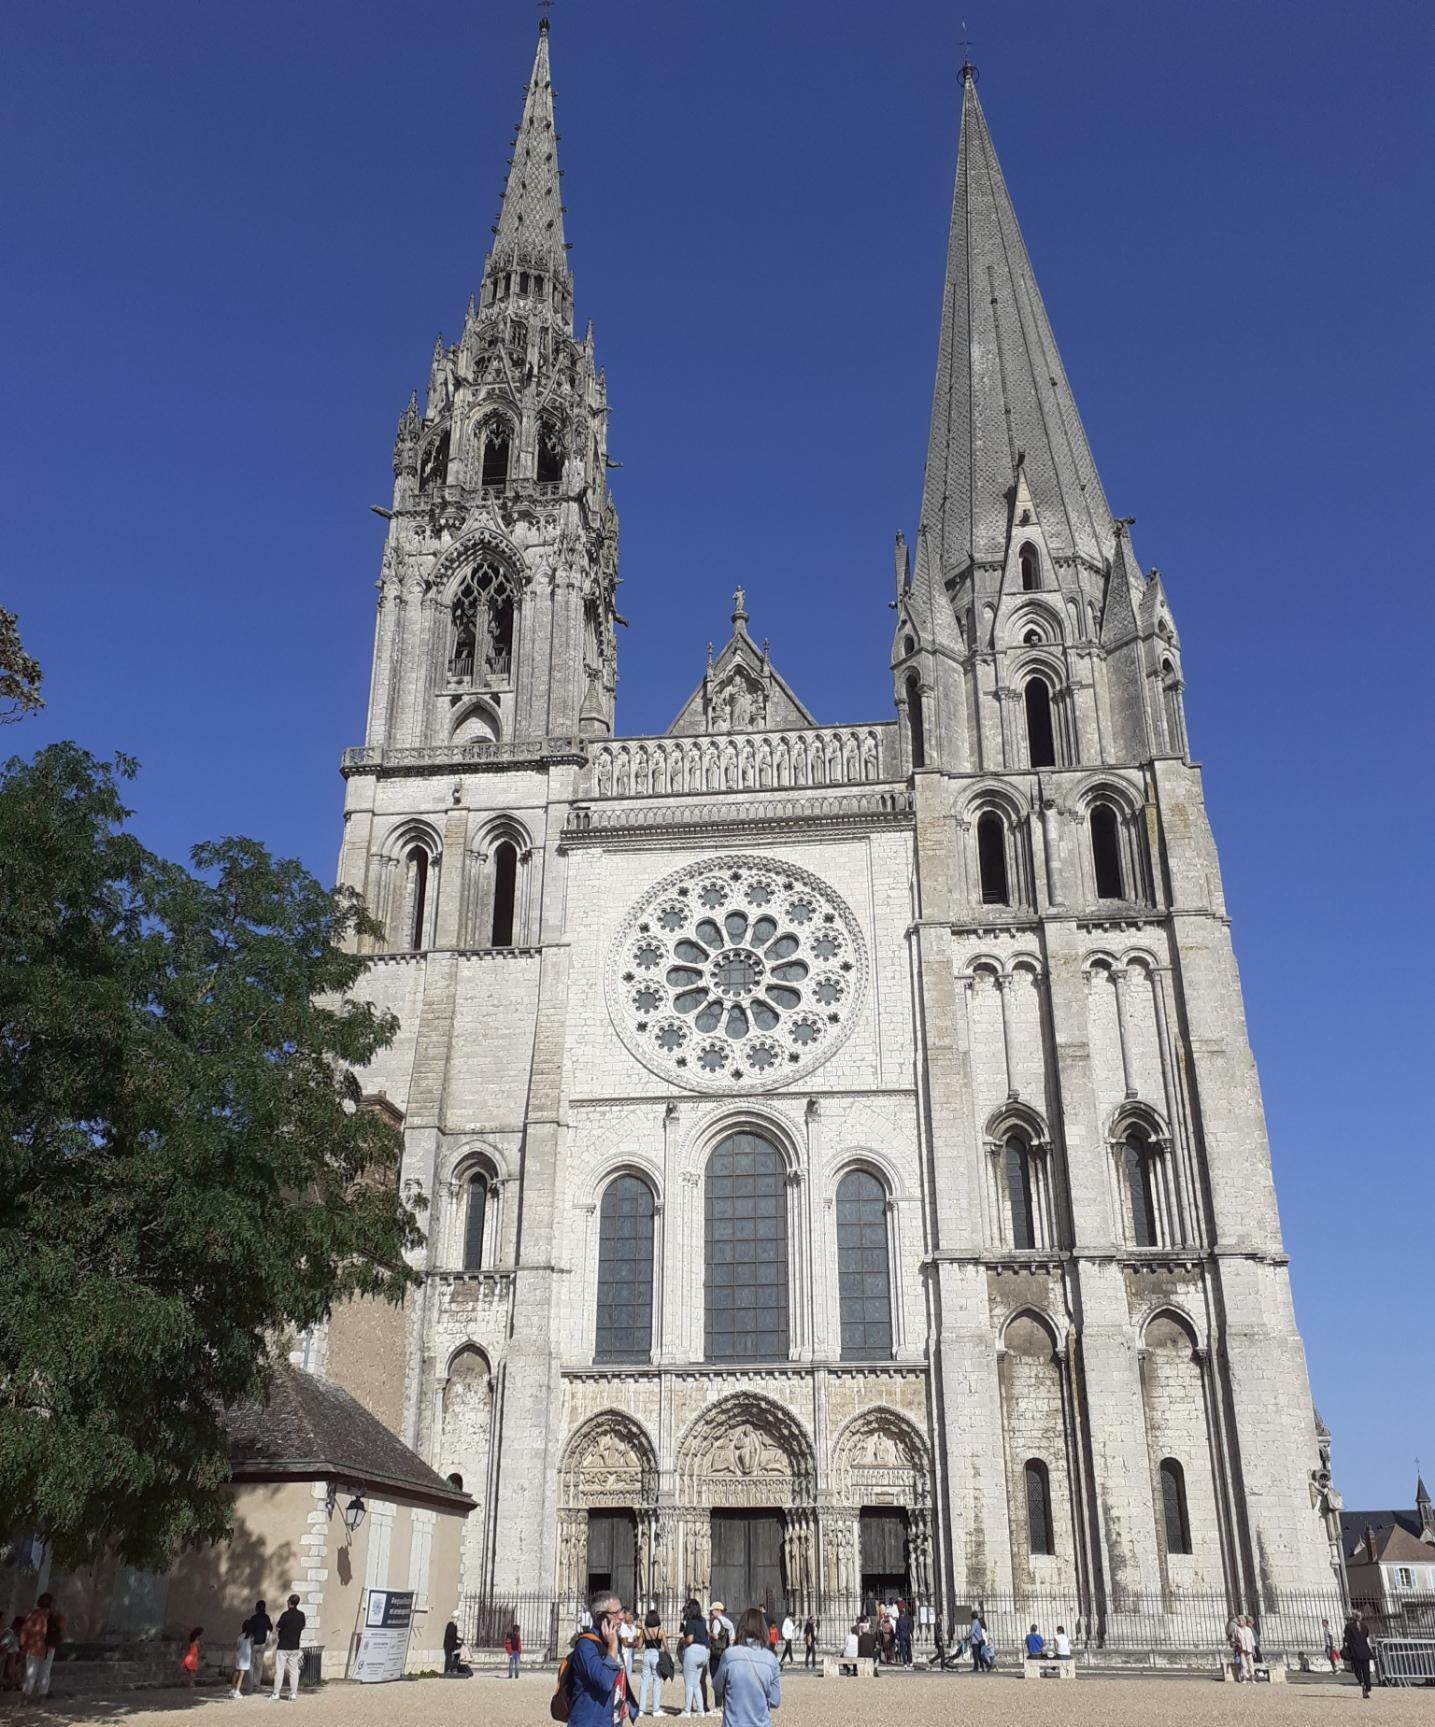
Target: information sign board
[[382, 1649]]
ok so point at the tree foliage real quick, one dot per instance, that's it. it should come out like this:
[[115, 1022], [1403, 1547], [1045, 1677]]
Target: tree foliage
[[20, 674], [184, 1168]]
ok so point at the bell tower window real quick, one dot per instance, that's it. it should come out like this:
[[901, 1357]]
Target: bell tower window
[[1030, 562], [1106, 852], [1040, 734], [505, 893], [991, 859], [550, 454], [418, 862], [916, 730], [433, 470], [497, 441], [482, 614]]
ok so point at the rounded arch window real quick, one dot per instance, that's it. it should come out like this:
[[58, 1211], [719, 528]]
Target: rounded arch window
[[625, 1271], [992, 859], [1020, 1188], [745, 1251], [1175, 1516], [1030, 562], [1105, 828], [864, 1283], [505, 893], [1139, 1174], [1040, 732], [418, 874]]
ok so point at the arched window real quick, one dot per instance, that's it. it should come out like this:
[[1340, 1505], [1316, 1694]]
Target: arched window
[[1140, 1188], [505, 893], [864, 1286], [1174, 1516], [909, 644], [497, 442], [433, 470], [1038, 1507], [482, 614], [625, 1271], [991, 859], [1030, 567], [1019, 1192], [745, 1209], [550, 452], [915, 727], [418, 862], [475, 1216], [1171, 694], [1106, 852], [456, 1480], [1040, 737]]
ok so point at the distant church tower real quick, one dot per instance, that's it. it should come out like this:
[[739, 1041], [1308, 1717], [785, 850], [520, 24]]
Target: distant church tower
[[844, 1158]]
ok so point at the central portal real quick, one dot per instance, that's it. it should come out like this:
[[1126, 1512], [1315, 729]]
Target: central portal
[[747, 1560]]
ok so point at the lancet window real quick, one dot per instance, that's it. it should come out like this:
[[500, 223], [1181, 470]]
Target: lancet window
[[625, 1271], [550, 452], [482, 650], [746, 1251], [1038, 1507], [1030, 562], [1040, 732], [496, 445], [1175, 1517], [864, 1286]]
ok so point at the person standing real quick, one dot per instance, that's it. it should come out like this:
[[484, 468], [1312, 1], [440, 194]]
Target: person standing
[[939, 1639], [693, 1641], [513, 1649], [450, 1646], [1357, 1651], [1246, 1648], [1332, 1654], [789, 1635], [978, 1638], [809, 1642], [260, 1628], [749, 1682], [597, 1684], [655, 1643], [904, 1634], [40, 1637], [287, 1655], [627, 1642], [243, 1658], [190, 1663]]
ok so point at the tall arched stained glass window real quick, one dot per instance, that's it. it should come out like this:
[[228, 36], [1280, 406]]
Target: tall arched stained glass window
[[1038, 1507], [1019, 1197], [746, 1251], [1174, 1516], [864, 1286], [625, 1271]]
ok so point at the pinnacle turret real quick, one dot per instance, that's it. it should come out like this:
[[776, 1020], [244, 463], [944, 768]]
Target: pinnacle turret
[[1002, 401], [529, 230]]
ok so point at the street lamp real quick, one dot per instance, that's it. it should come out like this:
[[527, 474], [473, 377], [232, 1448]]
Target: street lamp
[[354, 1514]]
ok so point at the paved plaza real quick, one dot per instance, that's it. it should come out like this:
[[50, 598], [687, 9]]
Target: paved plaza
[[895, 1701]]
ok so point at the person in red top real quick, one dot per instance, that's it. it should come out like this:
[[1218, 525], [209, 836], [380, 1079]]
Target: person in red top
[[513, 1649], [40, 1637]]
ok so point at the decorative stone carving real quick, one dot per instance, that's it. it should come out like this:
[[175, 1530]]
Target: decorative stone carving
[[739, 975]]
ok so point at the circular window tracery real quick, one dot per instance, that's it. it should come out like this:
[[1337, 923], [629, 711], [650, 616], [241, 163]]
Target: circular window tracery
[[740, 975]]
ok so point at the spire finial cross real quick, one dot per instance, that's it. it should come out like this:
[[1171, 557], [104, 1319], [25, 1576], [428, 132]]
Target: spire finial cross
[[545, 7], [969, 71]]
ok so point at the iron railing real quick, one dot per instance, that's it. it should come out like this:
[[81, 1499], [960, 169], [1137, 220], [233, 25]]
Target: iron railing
[[1288, 1624]]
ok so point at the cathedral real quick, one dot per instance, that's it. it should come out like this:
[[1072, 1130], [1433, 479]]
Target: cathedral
[[844, 1159]]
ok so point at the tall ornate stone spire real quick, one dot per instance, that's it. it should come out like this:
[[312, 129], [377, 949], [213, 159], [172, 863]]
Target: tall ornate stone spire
[[529, 231], [1002, 401]]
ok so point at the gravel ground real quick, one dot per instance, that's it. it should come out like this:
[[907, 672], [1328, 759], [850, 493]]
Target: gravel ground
[[894, 1701]]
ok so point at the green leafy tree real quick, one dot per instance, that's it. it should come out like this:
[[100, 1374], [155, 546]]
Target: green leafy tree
[[185, 1171], [20, 674]]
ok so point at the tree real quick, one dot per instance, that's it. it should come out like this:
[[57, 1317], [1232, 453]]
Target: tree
[[20, 674], [185, 1171]]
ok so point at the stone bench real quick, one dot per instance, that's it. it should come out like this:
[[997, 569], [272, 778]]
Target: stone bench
[[1048, 1667], [836, 1666]]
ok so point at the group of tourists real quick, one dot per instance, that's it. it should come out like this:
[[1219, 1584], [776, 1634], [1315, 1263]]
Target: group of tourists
[[884, 1633], [739, 1660], [256, 1635]]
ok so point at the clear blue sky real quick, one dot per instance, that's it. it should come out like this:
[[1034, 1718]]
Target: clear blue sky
[[233, 232]]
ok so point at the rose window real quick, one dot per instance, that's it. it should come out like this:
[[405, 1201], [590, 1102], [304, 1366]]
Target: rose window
[[740, 975]]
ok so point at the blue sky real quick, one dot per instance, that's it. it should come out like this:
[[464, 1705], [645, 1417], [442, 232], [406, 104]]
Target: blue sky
[[233, 233]]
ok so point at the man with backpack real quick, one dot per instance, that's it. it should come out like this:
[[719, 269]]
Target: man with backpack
[[592, 1689]]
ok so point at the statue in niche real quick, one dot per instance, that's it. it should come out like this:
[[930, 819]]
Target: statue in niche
[[882, 1451]]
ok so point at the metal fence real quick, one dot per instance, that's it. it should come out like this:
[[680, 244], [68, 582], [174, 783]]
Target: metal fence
[[1291, 1625]]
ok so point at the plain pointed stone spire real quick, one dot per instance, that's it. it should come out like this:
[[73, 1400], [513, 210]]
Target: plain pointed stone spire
[[529, 232], [1002, 400]]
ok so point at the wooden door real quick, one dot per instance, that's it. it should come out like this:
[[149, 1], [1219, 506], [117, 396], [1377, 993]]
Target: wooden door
[[747, 1560]]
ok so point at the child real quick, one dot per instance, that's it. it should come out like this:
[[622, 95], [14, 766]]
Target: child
[[191, 1655], [243, 1658]]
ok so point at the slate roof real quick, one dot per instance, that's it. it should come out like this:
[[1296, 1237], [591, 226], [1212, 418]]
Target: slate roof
[[311, 1428], [1397, 1537], [529, 229]]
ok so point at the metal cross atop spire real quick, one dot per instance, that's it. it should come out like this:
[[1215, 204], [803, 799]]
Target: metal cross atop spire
[[545, 8]]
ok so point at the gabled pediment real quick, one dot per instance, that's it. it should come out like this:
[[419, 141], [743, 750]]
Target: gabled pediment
[[741, 690]]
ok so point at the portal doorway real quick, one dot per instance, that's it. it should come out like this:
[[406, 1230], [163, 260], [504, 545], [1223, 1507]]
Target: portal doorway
[[886, 1572], [613, 1554], [747, 1561]]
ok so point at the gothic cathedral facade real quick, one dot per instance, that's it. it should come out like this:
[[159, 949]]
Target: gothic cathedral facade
[[845, 1161]]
